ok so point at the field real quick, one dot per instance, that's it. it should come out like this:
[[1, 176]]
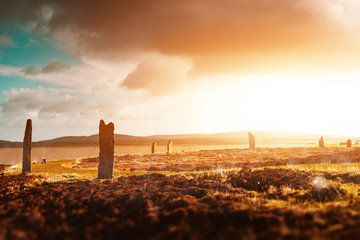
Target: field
[[14, 155], [268, 193]]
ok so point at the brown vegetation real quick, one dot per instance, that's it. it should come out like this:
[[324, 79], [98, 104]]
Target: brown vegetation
[[263, 203], [229, 158], [159, 207]]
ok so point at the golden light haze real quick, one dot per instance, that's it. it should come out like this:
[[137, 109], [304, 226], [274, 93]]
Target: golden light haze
[[309, 104]]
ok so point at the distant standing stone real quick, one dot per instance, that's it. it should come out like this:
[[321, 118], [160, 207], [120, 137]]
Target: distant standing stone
[[169, 147], [26, 164], [251, 140], [348, 143], [153, 148], [321, 142], [106, 155]]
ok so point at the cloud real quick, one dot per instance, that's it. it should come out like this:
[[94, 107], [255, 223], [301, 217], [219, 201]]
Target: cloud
[[53, 113], [7, 70], [245, 35], [159, 74], [55, 67], [56, 114], [39, 104], [90, 76], [5, 41], [23, 100], [31, 70], [31, 42], [38, 101], [50, 105], [64, 104], [49, 68], [82, 77]]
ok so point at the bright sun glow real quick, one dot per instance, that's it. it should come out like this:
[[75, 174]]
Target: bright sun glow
[[286, 103]]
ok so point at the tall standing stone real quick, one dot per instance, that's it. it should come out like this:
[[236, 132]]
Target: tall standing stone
[[169, 147], [153, 148], [106, 155], [251, 140], [321, 142], [26, 164], [348, 143]]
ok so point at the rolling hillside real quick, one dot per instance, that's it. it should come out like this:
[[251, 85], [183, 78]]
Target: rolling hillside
[[230, 138]]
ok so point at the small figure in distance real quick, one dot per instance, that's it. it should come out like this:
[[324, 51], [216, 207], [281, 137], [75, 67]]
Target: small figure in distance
[[43, 160]]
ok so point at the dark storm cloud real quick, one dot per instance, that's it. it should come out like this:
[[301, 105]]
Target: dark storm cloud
[[241, 31]]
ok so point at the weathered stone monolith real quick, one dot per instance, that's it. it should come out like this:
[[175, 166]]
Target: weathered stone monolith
[[169, 147], [251, 140], [106, 155], [348, 143], [321, 142], [26, 164], [153, 148]]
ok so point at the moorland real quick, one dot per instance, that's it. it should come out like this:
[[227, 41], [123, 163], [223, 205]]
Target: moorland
[[267, 193]]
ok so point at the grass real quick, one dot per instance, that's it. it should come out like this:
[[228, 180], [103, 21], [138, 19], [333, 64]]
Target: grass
[[214, 174], [352, 189], [62, 170], [353, 168], [56, 170]]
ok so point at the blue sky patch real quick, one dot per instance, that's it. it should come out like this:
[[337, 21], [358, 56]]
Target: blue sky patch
[[29, 49]]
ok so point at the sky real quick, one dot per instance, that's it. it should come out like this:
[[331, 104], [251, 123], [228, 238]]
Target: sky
[[176, 67]]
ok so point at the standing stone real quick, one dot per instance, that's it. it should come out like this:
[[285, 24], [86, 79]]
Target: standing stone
[[153, 147], [321, 142], [169, 147], [348, 143], [26, 164], [251, 140], [106, 155]]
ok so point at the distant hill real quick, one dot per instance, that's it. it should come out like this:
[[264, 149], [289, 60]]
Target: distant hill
[[8, 144], [229, 138]]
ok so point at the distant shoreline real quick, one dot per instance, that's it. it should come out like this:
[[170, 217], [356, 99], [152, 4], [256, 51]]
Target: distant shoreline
[[14, 155]]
